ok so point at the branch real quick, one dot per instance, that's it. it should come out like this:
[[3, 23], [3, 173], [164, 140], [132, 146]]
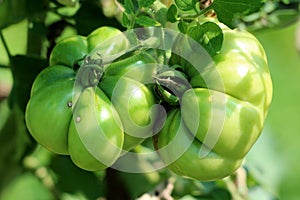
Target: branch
[[164, 194], [120, 6], [4, 66], [238, 187], [5, 45]]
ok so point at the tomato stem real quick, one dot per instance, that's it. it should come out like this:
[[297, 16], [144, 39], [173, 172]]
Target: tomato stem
[[198, 14], [170, 85], [91, 72]]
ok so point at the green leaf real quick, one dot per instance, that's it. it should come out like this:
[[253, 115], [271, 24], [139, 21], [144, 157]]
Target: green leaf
[[186, 5], [71, 179], [133, 185], [71, 3], [143, 182], [172, 14], [146, 21], [161, 16], [228, 10], [125, 20], [145, 3], [183, 27], [26, 186], [128, 5], [11, 12], [24, 70], [4, 113], [289, 1], [86, 23], [221, 194], [15, 142], [209, 35], [36, 9], [15, 38]]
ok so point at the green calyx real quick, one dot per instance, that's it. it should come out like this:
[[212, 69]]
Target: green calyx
[[90, 72], [170, 85]]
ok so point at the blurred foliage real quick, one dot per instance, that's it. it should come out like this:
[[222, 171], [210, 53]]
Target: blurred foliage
[[283, 118], [273, 14], [29, 30]]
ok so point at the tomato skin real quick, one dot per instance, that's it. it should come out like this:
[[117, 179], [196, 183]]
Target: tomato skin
[[133, 102], [243, 68], [51, 75], [48, 116], [239, 123], [72, 50], [69, 51], [223, 112], [95, 136], [180, 150], [50, 119], [51, 108], [69, 113], [139, 67]]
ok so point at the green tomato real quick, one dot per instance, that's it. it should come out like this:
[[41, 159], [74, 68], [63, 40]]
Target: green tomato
[[69, 113], [133, 102], [50, 120], [243, 68], [180, 151], [221, 114], [105, 41], [49, 110], [95, 133]]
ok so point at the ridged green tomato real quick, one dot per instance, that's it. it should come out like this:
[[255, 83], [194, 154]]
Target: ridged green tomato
[[180, 151], [90, 104], [222, 111], [86, 127], [50, 120]]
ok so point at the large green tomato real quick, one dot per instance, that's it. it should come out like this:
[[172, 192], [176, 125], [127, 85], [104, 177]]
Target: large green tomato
[[221, 112], [69, 113]]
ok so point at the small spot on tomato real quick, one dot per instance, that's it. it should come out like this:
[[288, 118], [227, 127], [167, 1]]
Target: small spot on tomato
[[70, 104]]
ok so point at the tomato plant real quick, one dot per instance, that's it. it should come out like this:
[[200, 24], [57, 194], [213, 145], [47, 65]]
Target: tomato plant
[[135, 99]]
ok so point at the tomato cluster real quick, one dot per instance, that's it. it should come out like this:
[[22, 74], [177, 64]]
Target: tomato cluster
[[94, 135], [96, 112]]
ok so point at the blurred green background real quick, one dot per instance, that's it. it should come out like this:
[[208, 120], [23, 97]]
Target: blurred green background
[[276, 154], [282, 131]]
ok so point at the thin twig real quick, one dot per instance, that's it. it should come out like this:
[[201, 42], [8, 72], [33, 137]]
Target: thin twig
[[4, 66], [241, 182], [120, 6], [5, 45], [166, 193], [238, 186]]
